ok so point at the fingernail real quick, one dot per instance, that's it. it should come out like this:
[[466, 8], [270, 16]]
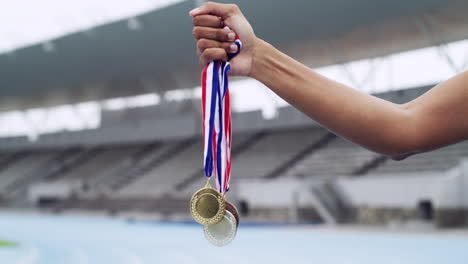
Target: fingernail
[[231, 36], [233, 48], [193, 11]]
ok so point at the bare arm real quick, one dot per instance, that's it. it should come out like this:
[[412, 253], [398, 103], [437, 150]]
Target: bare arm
[[436, 119]]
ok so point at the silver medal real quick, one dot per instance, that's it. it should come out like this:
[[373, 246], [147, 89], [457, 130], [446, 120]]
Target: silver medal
[[222, 233]]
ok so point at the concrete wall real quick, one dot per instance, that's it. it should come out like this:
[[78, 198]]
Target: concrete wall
[[405, 191], [445, 190], [273, 194]]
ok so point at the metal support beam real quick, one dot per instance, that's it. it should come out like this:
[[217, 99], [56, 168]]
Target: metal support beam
[[434, 31]]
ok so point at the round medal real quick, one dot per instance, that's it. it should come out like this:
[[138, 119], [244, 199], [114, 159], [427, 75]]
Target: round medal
[[231, 208], [207, 206], [222, 233]]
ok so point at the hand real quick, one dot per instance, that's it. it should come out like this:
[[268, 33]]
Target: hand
[[214, 42]]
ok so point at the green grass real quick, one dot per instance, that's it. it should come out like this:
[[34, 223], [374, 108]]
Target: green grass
[[4, 243]]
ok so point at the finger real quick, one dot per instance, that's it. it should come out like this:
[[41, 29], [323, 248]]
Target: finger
[[221, 10], [212, 54], [208, 21], [203, 44], [213, 33]]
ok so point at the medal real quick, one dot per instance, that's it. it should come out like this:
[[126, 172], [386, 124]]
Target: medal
[[233, 210], [222, 233], [208, 206]]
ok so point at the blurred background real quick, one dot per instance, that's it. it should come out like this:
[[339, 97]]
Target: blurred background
[[101, 147]]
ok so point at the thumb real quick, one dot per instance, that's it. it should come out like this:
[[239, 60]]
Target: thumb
[[221, 10]]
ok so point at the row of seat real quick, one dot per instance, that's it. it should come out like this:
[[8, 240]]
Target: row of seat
[[137, 170]]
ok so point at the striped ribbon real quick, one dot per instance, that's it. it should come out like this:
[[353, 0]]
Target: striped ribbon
[[216, 115]]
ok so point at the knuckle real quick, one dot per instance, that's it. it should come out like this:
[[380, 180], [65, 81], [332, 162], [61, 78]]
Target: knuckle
[[205, 53], [202, 44], [226, 46], [196, 20], [202, 62], [208, 53], [211, 54], [220, 22], [221, 34], [196, 31], [234, 7], [229, 48]]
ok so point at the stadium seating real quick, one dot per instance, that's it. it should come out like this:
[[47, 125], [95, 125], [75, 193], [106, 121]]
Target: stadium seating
[[339, 158], [103, 161], [439, 160], [153, 169], [164, 176], [124, 172], [186, 164], [272, 151], [24, 168]]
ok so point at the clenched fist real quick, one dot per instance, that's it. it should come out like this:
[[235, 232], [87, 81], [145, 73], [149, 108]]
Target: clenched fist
[[214, 42]]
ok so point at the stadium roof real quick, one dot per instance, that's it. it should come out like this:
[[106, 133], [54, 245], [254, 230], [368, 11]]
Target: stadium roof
[[113, 59]]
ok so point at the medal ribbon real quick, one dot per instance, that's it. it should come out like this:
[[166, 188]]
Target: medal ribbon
[[216, 119]]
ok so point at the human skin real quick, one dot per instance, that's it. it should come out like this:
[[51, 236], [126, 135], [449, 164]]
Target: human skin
[[436, 119]]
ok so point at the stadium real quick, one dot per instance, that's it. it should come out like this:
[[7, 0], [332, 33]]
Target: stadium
[[101, 137]]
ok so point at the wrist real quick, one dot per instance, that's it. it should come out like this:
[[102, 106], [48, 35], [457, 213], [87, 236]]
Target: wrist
[[259, 56]]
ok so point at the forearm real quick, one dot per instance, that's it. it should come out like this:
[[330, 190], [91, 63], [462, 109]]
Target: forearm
[[376, 124]]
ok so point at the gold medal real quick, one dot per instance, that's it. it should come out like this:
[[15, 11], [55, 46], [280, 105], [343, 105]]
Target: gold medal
[[207, 206]]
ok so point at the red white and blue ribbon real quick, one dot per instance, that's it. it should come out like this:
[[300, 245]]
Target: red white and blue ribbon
[[216, 116]]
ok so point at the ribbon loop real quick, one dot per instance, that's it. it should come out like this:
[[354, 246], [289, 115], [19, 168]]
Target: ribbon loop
[[216, 115]]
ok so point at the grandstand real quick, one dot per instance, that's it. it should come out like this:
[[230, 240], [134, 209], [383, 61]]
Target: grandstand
[[159, 176], [440, 160]]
